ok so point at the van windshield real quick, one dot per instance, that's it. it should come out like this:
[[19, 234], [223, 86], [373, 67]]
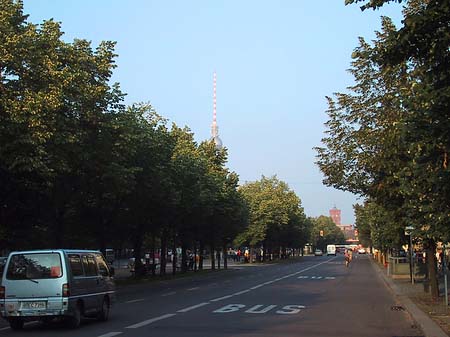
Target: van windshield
[[34, 266]]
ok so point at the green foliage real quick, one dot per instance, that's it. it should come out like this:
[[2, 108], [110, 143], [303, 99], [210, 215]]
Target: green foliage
[[276, 218], [389, 138], [331, 234]]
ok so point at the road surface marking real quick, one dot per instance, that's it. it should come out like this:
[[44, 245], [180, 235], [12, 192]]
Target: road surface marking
[[4, 328], [169, 294], [193, 307], [221, 298], [149, 321], [254, 309], [256, 287], [134, 301], [317, 277], [241, 292], [195, 288], [111, 334], [260, 309]]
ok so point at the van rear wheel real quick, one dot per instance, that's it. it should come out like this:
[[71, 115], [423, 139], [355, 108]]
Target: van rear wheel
[[16, 323], [103, 314], [74, 321]]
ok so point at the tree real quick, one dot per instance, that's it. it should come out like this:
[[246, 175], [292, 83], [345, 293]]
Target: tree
[[401, 101], [274, 212], [53, 99], [325, 232]]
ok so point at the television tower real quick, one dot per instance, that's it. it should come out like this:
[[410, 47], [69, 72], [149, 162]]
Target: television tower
[[214, 128]]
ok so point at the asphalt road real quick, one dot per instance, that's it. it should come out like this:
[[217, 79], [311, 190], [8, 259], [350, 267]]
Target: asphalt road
[[318, 296]]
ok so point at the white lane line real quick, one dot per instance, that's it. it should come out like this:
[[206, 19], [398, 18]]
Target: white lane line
[[169, 294], [111, 334], [256, 287], [193, 307], [195, 288], [134, 301], [149, 321], [241, 292], [4, 328], [221, 298]]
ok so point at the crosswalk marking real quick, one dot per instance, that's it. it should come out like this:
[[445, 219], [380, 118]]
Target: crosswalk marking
[[317, 277]]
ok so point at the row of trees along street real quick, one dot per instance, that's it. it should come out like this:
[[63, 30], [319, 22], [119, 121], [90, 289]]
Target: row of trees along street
[[388, 137], [79, 169]]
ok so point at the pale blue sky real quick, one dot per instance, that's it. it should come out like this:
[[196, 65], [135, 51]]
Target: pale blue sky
[[275, 62]]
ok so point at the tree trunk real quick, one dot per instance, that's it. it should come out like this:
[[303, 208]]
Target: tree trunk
[[162, 258], [174, 255], [218, 258], [138, 266], [225, 256], [153, 253], [432, 273], [184, 267], [194, 253], [213, 257], [200, 256]]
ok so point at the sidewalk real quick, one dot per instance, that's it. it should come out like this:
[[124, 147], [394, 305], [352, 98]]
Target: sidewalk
[[432, 317], [122, 271]]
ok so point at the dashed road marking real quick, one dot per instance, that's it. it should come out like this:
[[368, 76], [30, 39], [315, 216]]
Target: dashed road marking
[[169, 294], [222, 298], [149, 321], [193, 307], [137, 300], [317, 277], [111, 334]]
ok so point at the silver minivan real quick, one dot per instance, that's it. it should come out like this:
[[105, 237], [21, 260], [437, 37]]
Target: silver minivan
[[48, 284]]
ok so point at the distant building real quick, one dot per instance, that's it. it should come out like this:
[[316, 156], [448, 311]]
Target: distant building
[[335, 215], [348, 230]]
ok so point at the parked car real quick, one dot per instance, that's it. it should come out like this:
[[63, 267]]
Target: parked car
[[49, 284], [148, 266], [318, 252]]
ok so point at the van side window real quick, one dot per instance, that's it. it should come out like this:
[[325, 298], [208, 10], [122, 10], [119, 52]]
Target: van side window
[[90, 269], [75, 265], [102, 266]]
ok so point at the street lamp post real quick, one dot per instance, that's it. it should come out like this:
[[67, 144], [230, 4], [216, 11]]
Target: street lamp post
[[408, 231]]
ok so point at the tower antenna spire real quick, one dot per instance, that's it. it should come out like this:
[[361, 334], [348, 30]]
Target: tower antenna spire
[[215, 100], [214, 127]]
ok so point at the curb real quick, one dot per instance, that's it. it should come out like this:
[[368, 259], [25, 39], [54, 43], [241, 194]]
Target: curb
[[428, 326]]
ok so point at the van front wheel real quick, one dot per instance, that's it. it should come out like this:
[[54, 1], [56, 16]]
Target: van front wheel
[[103, 314], [16, 323]]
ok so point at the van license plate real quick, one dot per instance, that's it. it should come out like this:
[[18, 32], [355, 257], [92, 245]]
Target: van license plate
[[33, 305]]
